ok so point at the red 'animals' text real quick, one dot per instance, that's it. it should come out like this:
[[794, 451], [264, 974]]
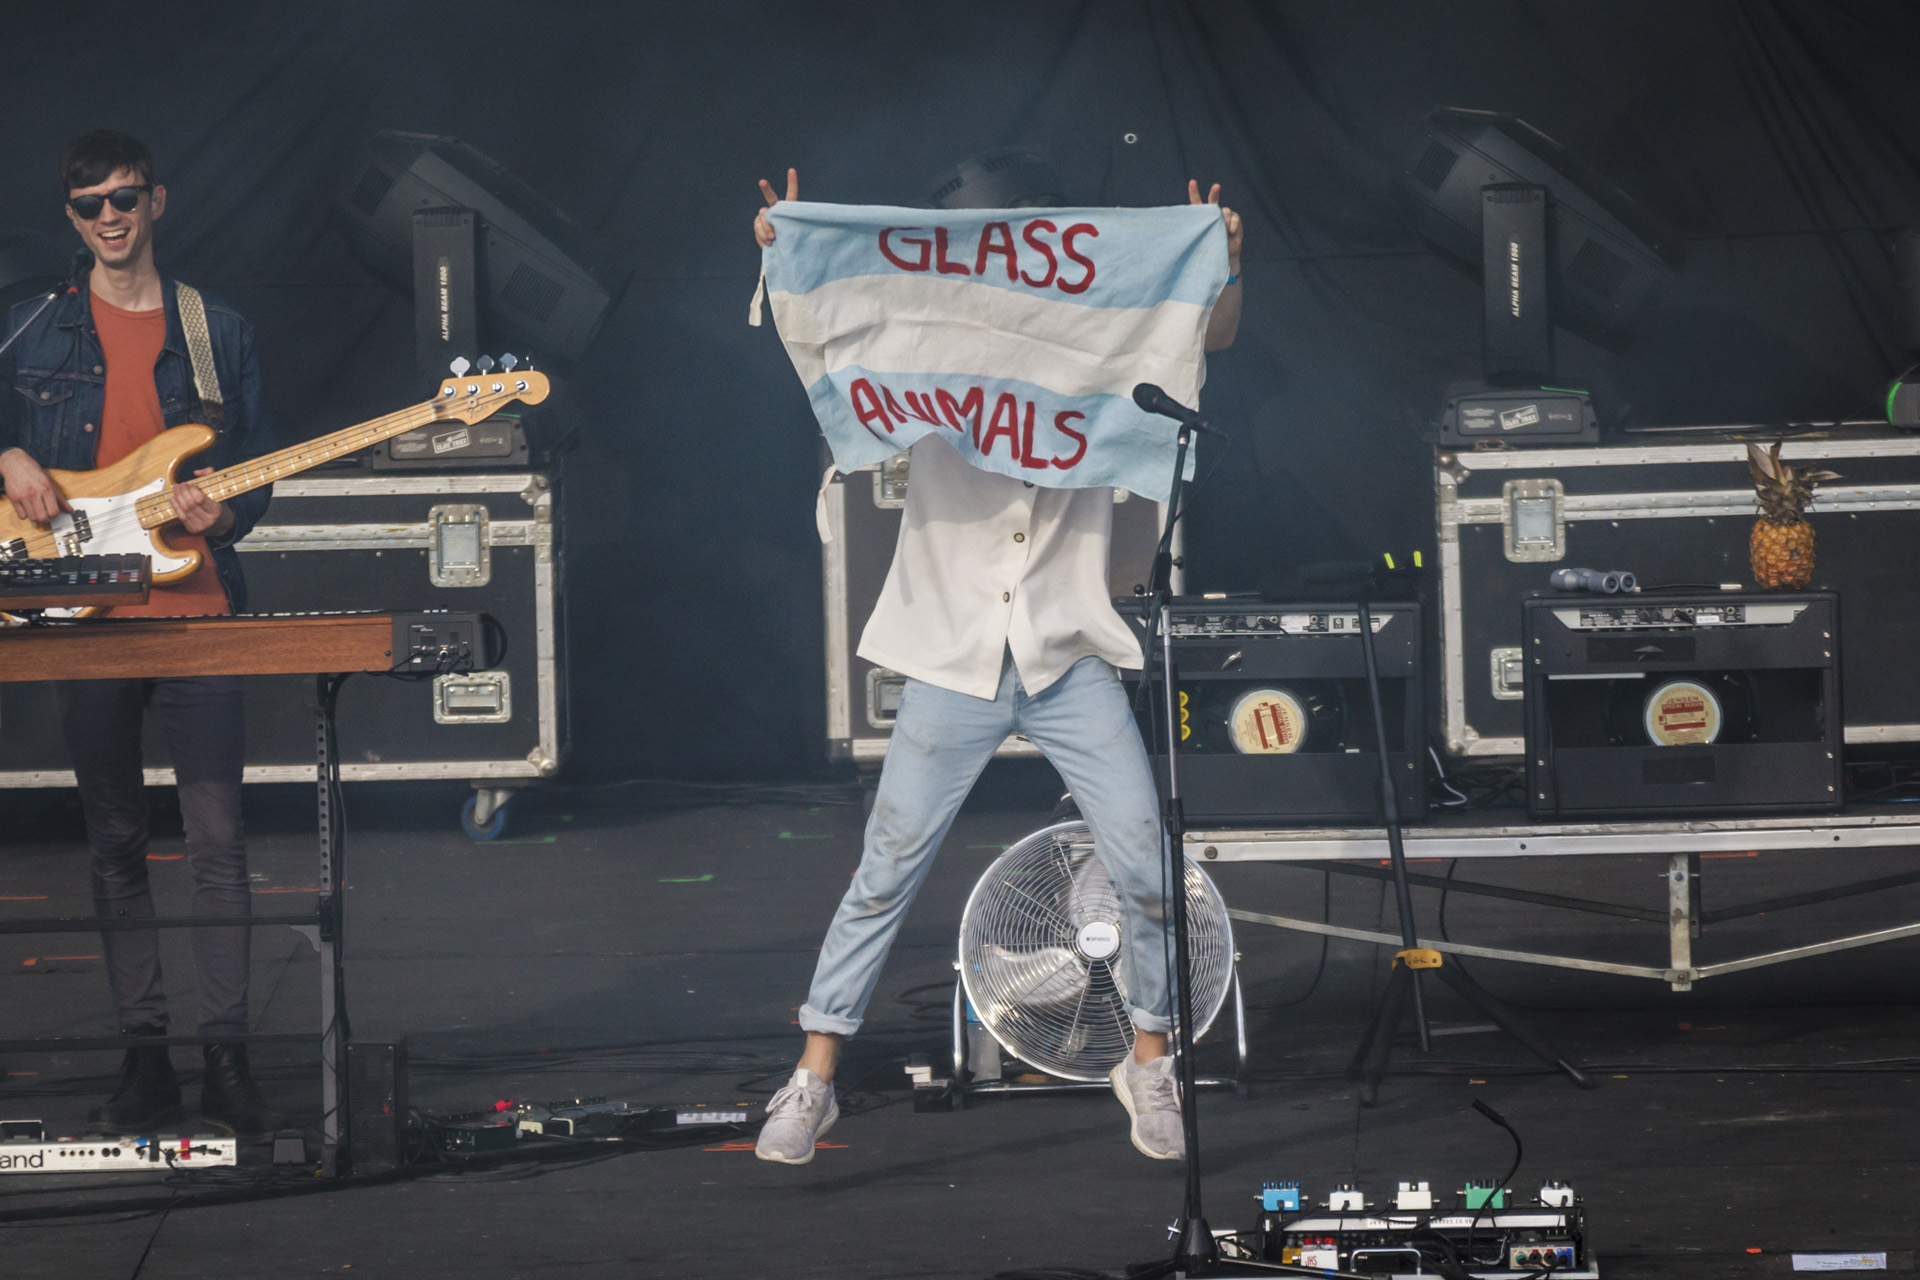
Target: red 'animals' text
[[1009, 418]]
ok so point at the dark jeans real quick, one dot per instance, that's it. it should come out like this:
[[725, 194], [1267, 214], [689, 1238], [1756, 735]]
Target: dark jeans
[[200, 720]]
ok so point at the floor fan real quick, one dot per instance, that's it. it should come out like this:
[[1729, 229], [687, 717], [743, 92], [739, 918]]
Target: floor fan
[[1043, 966]]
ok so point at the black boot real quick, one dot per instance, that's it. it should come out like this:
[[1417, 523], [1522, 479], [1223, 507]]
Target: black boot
[[149, 1095], [230, 1101]]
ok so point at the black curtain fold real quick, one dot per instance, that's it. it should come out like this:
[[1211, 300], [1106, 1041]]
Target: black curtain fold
[[1782, 137]]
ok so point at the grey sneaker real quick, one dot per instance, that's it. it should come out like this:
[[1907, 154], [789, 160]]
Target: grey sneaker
[[796, 1117], [1146, 1090]]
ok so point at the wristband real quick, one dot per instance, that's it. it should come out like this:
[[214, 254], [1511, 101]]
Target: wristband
[[1233, 279]]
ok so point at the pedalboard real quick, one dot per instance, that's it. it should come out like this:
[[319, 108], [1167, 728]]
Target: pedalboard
[[1490, 1234], [158, 1153]]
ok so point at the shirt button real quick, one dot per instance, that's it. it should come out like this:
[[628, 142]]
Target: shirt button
[[89, 426], [46, 395], [99, 369], [1005, 596], [1019, 537]]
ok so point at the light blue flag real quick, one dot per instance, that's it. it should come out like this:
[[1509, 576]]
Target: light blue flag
[[1018, 334]]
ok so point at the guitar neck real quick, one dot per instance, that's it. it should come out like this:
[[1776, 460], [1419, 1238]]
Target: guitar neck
[[157, 509]]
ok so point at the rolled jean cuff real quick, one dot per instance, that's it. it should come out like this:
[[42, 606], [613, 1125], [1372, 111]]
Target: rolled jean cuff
[[1157, 1023], [811, 1019]]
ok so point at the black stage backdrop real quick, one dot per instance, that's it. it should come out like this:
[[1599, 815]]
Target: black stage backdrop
[[1782, 138]]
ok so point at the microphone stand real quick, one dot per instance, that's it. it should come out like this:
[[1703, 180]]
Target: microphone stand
[[1369, 1064], [28, 322], [1195, 1254], [83, 261]]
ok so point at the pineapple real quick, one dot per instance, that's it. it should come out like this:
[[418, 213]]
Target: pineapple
[[1781, 546]]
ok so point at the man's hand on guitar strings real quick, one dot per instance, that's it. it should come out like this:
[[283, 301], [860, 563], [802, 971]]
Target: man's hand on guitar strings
[[29, 489], [198, 513]]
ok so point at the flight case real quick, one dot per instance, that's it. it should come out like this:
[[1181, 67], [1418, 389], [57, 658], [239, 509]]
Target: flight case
[[475, 542], [1675, 508]]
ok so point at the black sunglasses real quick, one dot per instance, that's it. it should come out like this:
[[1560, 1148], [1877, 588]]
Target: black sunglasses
[[125, 199]]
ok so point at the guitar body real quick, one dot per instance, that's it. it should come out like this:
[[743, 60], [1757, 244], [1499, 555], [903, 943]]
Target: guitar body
[[104, 520]]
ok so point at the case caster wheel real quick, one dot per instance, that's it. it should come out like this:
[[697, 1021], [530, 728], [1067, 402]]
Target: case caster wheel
[[484, 815]]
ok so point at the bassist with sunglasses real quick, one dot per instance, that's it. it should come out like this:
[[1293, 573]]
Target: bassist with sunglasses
[[104, 370]]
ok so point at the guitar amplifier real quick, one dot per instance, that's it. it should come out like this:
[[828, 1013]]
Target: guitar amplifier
[[1719, 702], [1276, 724]]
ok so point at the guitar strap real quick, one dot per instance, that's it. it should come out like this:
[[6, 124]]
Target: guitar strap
[[206, 382]]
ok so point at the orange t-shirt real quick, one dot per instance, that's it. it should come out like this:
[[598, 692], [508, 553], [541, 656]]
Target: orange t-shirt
[[131, 342]]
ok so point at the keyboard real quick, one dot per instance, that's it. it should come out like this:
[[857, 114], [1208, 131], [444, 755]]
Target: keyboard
[[75, 582]]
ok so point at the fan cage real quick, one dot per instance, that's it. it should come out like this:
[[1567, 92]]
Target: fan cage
[[1031, 962]]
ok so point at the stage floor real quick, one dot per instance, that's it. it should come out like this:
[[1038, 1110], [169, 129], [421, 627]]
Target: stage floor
[[657, 955]]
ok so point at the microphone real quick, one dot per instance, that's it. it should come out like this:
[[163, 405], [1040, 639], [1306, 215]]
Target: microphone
[[1154, 400], [82, 265]]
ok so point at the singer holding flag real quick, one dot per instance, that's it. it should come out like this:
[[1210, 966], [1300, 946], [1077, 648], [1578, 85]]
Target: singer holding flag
[[92, 378], [997, 611]]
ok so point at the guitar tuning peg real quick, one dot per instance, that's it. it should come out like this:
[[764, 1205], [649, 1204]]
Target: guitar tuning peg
[[459, 366], [486, 364], [509, 362]]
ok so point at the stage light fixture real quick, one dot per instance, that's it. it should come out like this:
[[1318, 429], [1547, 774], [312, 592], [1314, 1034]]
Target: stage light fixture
[[1607, 255], [543, 285]]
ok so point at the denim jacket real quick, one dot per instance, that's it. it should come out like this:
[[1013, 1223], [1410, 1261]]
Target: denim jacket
[[53, 388]]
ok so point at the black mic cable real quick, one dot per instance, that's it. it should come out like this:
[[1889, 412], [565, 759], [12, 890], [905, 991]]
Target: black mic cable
[[1494, 1196]]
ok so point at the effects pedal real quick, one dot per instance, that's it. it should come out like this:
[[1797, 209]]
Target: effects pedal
[[159, 1153]]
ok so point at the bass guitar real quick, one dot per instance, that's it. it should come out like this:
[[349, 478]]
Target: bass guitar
[[124, 509]]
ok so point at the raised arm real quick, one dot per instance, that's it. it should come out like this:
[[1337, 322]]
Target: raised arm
[[762, 228], [1225, 322]]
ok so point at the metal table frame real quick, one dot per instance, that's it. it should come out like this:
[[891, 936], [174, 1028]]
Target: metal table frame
[[324, 928], [1342, 850]]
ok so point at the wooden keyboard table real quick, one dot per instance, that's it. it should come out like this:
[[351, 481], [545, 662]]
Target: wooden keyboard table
[[321, 645], [242, 645]]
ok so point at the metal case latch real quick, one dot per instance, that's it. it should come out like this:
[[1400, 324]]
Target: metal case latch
[[890, 482], [459, 549], [474, 697], [1509, 673], [1536, 526], [884, 688]]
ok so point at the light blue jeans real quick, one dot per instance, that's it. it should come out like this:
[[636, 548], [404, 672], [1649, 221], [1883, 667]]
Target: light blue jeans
[[941, 741]]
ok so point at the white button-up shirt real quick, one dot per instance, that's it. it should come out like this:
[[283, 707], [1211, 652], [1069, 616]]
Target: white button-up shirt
[[987, 563]]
